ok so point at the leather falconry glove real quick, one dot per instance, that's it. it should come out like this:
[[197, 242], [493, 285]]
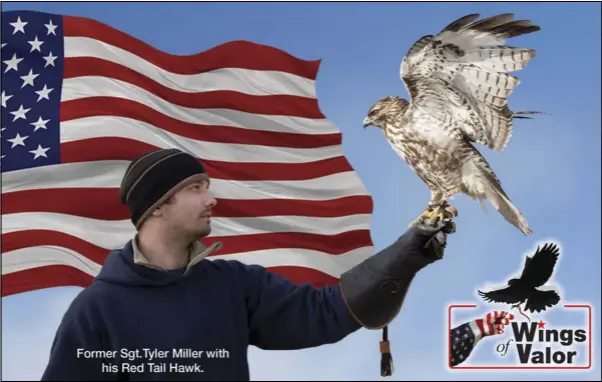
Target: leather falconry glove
[[374, 290]]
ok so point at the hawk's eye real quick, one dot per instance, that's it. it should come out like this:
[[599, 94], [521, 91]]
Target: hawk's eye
[[373, 113]]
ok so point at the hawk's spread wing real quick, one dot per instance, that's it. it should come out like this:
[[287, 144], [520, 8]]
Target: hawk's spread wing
[[460, 76], [508, 295], [539, 268]]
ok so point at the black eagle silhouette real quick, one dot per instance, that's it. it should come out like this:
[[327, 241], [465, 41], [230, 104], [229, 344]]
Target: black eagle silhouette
[[536, 272]]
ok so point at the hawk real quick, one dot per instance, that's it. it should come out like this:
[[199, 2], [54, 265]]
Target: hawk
[[459, 85]]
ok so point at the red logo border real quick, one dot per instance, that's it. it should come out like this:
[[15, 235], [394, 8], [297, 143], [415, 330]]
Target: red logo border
[[501, 367]]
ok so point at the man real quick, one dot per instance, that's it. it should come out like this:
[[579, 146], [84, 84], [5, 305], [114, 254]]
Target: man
[[159, 309]]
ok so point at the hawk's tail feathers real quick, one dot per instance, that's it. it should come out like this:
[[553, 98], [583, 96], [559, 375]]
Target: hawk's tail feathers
[[479, 182], [505, 207], [540, 300], [484, 206]]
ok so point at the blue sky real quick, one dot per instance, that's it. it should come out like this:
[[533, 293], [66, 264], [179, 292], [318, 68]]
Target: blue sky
[[551, 168]]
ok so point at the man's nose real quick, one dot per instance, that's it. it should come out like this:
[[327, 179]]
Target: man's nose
[[212, 202]]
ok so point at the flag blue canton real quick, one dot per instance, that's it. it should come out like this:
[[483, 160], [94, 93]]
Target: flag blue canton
[[462, 342], [32, 78]]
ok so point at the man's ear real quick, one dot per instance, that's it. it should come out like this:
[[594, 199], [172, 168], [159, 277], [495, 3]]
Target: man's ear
[[158, 211]]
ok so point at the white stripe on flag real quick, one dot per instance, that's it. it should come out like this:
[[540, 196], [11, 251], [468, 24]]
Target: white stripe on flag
[[113, 233], [97, 127], [32, 257], [108, 174]]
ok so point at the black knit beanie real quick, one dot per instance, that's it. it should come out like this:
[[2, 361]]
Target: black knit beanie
[[153, 177]]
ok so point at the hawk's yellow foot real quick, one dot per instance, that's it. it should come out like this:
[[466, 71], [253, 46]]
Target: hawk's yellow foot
[[433, 214], [422, 216]]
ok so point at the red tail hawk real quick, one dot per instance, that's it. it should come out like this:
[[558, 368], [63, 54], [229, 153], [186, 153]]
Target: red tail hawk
[[459, 85]]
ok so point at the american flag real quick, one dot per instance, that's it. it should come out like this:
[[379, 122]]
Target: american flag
[[463, 339], [81, 99]]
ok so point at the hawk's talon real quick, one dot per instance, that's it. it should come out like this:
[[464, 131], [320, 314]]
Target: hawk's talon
[[451, 210], [436, 213]]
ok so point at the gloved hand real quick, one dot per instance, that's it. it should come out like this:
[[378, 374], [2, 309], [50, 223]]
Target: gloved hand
[[374, 289], [421, 245], [493, 323], [436, 236]]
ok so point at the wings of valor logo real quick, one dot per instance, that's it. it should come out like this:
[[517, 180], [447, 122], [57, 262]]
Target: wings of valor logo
[[521, 330]]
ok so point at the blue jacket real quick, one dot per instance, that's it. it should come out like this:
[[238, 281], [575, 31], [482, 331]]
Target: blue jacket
[[138, 323]]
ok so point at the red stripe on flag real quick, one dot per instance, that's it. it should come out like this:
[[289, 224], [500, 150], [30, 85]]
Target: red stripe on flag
[[330, 244], [103, 204], [61, 275], [235, 54], [44, 277], [118, 107], [39, 237], [300, 275], [112, 148]]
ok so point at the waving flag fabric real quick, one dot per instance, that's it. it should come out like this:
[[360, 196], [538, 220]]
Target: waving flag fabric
[[81, 99]]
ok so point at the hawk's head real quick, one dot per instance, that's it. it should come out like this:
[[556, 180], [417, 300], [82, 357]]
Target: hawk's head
[[385, 111]]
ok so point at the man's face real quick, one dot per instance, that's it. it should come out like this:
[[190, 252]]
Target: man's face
[[188, 212]]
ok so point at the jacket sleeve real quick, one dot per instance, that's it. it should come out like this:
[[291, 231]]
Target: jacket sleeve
[[286, 316], [76, 335]]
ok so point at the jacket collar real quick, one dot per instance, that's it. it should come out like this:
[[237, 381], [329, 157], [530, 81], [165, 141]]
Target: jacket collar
[[198, 252]]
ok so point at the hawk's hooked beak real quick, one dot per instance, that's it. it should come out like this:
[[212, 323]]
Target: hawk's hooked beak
[[367, 122]]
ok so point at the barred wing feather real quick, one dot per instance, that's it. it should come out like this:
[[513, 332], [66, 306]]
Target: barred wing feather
[[461, 76]]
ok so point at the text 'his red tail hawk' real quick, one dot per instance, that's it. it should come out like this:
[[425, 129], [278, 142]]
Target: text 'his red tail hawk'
[[459, 85]]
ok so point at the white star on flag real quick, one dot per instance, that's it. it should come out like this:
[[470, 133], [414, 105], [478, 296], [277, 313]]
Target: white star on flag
[[12, 63], [18, 140], [40, 124], [28, 79], [20, 113], [43, 93], [49, 59], [5, 97], [35, 45], [51, 27], [19, 26], [40, 152]]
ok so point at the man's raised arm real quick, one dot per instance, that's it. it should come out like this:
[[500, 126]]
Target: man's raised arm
[[283, 315]]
